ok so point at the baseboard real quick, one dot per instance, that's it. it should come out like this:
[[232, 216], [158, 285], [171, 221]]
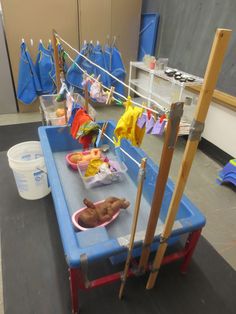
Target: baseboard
[[214, 152]]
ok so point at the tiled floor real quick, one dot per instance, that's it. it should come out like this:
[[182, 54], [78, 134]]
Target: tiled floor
[[218, 203], [16, 118]]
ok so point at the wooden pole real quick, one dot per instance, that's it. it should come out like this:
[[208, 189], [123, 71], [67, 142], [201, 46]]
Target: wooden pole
[[56, 60], [134, 224], [215, 61], [59, 72], [171, 136]]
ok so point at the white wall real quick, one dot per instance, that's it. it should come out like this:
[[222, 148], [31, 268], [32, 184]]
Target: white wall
[[220, 128]]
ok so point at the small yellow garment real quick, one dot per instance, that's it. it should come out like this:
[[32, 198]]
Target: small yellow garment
[[127, 125], [93, 167]]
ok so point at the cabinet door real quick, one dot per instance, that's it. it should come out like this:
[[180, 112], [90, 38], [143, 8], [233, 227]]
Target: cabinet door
[[125, 24], [94, 20], [7, 97], [36, 19]]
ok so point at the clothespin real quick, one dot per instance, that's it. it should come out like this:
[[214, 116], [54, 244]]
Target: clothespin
[[85, 42], [49, 41], [162, 118], [149, 114], [31, 42], [22, 40], [104, 127], [119, 102], [114, 40], [110, 95], [108, 40], [98, 42], [40, 40], [100, 135], [127, 102]]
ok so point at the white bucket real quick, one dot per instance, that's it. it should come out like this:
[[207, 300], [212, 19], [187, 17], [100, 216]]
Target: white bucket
[[27, 163]]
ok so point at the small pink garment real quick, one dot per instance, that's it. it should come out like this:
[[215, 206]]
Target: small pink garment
[[159, 127], [97, 93], [141, 121], [149, 124]]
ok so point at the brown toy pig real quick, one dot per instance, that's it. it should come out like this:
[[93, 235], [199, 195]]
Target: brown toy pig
[[95, 215]]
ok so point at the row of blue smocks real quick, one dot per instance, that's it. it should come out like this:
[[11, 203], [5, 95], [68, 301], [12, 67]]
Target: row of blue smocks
[[109, 59], [35, 79]]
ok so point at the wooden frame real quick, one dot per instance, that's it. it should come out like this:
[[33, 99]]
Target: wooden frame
[[219, 97], [215, 61]]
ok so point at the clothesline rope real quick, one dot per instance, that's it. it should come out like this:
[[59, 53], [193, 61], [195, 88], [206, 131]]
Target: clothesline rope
[[120, 95], [115, 78], [127, 154]]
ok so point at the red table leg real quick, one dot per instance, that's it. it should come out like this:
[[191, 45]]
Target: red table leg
[[74, 286], [189, 247]]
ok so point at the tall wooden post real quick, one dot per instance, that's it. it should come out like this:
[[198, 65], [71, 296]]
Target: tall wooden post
[[56, 60], [59, 73], [215, 61], [134, 224], [171, 136]]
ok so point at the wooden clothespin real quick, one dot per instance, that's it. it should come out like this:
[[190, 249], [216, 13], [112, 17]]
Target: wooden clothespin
[[104, 127], [127, 102], [110, 95], [114, 41], [149, 114]]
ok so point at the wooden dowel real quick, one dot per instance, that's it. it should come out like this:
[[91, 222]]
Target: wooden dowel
[[134, 224], [171, 136], [56, 60], [59, 73], [215, 61]]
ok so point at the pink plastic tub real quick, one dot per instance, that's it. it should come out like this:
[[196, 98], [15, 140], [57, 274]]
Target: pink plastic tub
[[82, 164], [75, 217]]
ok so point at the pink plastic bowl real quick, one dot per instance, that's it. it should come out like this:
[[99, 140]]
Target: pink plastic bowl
[[75, 217], [82, 164]]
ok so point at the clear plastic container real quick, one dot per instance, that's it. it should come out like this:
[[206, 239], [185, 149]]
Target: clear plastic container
[[104, 179], [49, 105]]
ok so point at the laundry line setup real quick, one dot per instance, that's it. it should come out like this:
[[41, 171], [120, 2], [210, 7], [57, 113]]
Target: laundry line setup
[[154, 198], [161, 108]]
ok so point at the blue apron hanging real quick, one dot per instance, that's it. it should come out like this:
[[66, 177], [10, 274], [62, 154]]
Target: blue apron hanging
[[46, 69], [28, 83], [74, 75], [100, 60], [118, 70], [107, 57]]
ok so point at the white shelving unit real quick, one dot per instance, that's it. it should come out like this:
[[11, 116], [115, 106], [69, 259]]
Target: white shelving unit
[[157, 85]]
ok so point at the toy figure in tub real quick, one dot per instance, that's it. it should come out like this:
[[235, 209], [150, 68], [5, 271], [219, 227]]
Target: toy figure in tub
[[100, 213]]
